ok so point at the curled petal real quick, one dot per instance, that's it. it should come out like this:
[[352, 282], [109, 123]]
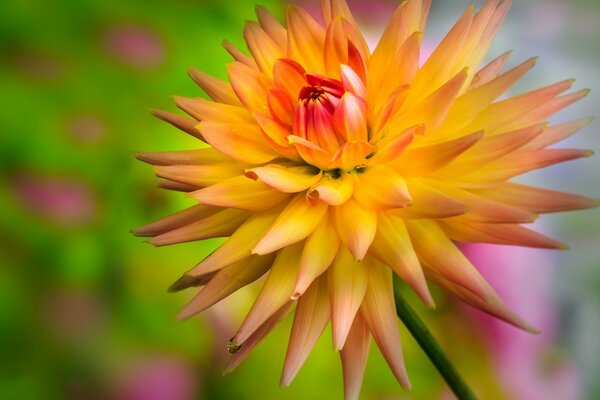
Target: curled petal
[[333, 191], [352, 82], [347, 285], [350, 118], [287, 179], [310, 152], [298, 220]]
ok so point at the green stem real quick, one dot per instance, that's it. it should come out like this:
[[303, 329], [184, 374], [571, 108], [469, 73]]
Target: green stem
[[430, 346]]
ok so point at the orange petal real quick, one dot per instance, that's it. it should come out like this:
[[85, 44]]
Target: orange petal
[[556, 133], [227, 281], [423, 160], [177, 220], [244, 350], [333, 191], [274, 130], [392, 146], [347, 285], [249, 85], [206, 110], [185, 157], [352, 82], [354, 357], [238, 246], [351, 155], [312, 315], [243, 142], [379, 310], [356, 227], [290, 76], [220, 224], [381, 188], [280, 105], [274, 29], [264, 50], [511, 234], [286, 178], [240, 192], [298, 220], [217, 90], [276, 291], [535, 199], [438, 253], [318, 254], [187, 125], [429, 202], [198, 175], [305, 39], [393, 247], [175, 186], [238, 55], [490, 71], [310, 152]]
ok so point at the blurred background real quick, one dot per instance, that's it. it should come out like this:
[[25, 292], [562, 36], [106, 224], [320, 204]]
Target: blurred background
[[84, 312]]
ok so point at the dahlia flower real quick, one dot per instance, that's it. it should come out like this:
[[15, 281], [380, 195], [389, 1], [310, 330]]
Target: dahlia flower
[[331, 167]]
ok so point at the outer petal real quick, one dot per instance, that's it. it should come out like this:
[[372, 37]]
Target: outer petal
[[556, 133], [243, 142], [429, 202], [249, 85], [305, 39], [356, 227], [393, 247], [185, 157], [347, 285], [198, 175], [227, 281], [217, 90], [220, 224], [379, 310], [238, 55], [490, 71], [273, 28], [276, 291], [206, 110], [177, 220], [312, 315], [265, 50], [438, 253], [298, 220], [240, 192], [287, 179], [354, 356], [289, 76], [187, 125]]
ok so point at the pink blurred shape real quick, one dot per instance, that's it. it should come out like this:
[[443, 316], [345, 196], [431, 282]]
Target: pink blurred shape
[[529, 366], [65, 201], [135, 46]]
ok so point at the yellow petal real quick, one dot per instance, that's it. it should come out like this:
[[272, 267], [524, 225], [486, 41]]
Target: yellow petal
[[312, 315], [243, 142], [354, 357], [238, 246], [217, 90], [393, 247], [185, 157], [351, 155], [379, 310], [276, 291], [428, 202], [274, 29], [319, 251], [220, 224], [298, 220], [240, 192], [356, 227], [286, 178], [227, 281], [347, 285], [274, 130], [290, 76], [333, 190]]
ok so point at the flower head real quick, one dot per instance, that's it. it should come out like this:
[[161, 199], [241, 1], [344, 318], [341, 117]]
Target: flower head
[[330, 167]]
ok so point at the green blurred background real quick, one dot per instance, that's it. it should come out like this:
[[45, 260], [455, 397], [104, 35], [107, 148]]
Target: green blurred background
[[84, 312]]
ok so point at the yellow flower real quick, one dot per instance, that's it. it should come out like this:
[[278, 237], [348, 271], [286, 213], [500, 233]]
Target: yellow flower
[[331, 167]]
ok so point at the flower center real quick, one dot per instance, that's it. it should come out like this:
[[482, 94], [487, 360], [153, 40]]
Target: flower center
[[311, 93]]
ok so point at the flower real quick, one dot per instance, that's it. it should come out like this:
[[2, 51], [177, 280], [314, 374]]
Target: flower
[[331, 167]]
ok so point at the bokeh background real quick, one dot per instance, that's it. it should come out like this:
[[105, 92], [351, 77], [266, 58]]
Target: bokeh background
[[84, 312]]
